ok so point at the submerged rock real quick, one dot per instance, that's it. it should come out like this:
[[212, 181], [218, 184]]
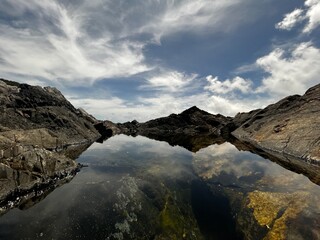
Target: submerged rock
[[273, 210]]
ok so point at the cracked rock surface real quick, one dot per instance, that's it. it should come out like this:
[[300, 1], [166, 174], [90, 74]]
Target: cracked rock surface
[[290, 126], [41, 134]]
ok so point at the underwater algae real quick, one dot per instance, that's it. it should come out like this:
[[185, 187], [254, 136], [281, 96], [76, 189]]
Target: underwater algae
[[274, 209]]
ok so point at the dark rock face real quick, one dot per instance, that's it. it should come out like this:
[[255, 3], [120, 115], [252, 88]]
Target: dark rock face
[[27, 107], [290, 127], [192, 129], [191, 121], [41, 134]]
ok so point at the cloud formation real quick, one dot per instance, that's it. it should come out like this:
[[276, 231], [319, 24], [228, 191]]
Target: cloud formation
[[226, 86], [313, 15], [291, 19], [169, 81], [53, 45], [86, 41], [192, 15], [290, 72], [310, 14]]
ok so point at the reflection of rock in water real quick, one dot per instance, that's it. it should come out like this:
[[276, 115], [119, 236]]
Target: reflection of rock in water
[[308, 169], [29, 171], [191, 142], [24, 198]]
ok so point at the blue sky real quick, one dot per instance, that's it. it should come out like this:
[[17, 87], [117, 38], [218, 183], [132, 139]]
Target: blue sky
[[140, 59]]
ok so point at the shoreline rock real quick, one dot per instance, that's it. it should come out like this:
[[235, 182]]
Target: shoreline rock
[[41, 135], [290, 127]]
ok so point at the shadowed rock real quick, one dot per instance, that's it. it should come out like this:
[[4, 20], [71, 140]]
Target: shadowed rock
[[192, 129]]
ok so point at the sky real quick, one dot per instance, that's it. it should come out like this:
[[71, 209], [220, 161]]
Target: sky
[[140, 59]]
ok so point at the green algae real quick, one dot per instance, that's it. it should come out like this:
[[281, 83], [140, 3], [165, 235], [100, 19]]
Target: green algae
[[176, 218]]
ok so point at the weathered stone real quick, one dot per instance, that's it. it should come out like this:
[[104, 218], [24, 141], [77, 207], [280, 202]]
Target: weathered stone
[[290, 126], [39, 131]]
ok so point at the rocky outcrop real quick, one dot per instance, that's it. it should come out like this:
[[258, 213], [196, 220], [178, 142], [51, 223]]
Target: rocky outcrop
[[289, 127], [191, 121], [26, 107], [192, 129], [41, 134]]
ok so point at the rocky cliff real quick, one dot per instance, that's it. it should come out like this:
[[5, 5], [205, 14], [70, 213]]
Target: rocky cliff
[[290, 127], [40, 135]]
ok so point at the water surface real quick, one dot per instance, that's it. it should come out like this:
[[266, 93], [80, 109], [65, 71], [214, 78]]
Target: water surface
[[137, 188]]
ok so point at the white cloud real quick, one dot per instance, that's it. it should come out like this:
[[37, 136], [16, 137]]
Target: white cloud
[[311, 13], [53, 45], [75, 44], [230, 106], [292, 71], [291, 19], [146, 108], [237, 83], [168, 80], [117, 109], [195, 16]]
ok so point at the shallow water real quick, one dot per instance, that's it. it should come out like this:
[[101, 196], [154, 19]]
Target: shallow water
[[137, 188]]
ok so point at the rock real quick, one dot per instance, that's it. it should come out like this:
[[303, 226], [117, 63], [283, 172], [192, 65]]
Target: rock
[[190, 121], [290, 127], [41, 134], [26, 107], [192, 129], [107, 129]]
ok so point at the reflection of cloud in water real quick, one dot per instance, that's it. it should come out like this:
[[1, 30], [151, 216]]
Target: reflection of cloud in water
[[142, 144], [126, 154], [226, 160]]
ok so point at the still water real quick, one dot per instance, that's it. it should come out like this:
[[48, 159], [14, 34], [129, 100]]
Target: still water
[[138, 188]]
